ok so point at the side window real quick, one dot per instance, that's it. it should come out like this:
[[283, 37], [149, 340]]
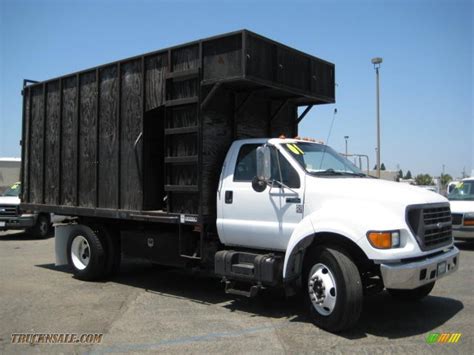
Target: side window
[[246, 166], [289, 176]]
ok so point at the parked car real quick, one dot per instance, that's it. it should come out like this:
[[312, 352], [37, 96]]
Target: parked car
[[12, 217], [462, 209]]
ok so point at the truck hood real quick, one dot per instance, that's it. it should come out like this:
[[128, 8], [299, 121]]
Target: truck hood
[[368, 190], [462, 206], [9, 200]]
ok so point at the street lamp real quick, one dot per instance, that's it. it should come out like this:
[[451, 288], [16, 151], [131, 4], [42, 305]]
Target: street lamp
[[346, 138], [376, 62]]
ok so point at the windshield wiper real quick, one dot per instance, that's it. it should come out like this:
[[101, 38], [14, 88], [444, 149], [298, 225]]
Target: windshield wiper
[[332, 172]]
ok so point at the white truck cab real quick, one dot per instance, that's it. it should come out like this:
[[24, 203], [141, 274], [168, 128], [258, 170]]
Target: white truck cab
[[291, 195], [461, 199]]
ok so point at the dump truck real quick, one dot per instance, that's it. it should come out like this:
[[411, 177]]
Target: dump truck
[[190, 157]]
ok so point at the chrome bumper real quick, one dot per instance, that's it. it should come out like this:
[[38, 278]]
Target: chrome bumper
[[418, 273]]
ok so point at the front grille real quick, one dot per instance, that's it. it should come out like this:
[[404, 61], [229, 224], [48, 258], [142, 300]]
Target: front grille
[[457, 218], [8, 211], [431, 225]]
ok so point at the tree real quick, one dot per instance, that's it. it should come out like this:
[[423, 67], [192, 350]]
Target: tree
[[446, 179], [382, 167], [400, 174], [424, 179], [408, 175]]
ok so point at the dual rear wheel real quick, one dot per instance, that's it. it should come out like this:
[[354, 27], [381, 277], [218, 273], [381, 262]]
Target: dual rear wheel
[[93, 253]]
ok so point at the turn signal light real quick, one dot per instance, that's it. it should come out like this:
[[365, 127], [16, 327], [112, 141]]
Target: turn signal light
[[468, 222], [384, 240]]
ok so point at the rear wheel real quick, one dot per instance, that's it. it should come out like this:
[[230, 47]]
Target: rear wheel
[[86, 254], [110, 239], [334, 293], [412, 295]]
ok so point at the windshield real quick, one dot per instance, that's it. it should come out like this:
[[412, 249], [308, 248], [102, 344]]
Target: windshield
[[13, 191], [463, 191], [321, 160]]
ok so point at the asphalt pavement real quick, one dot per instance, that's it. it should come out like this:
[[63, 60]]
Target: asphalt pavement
[[151, 309]]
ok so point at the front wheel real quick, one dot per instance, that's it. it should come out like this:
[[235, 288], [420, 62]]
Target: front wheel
[[42, 228], [334, 294], [412, 295]]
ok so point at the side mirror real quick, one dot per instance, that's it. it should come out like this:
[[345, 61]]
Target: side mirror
[[264, 168]]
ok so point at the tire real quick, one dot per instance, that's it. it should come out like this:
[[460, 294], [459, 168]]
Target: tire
[[111, 242], [342, 294], [85, 253], [42, 228], [412, 295]]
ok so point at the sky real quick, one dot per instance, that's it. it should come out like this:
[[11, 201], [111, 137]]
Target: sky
[[426, 77]]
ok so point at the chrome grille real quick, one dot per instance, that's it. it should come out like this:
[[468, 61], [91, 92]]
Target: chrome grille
[[431, 224], [8, 211], [457, 218]]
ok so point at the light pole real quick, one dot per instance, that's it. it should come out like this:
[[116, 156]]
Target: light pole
[[376, 62], [346, 138]]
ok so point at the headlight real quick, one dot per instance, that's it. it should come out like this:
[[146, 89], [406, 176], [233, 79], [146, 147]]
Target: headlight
[[384, 240], [469, 219]]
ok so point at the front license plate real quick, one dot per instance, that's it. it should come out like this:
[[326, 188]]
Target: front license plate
[[441, 268], [2, 224]]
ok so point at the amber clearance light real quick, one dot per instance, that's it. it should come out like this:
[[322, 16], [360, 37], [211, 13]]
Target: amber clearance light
[[384, 240]]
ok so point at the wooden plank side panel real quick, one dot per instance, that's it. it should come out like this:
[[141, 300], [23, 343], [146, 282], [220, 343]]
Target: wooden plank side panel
[[293, 69], [261, 58], [217, 138], [131, 127], [185, 58], [51, 164], [87, 140], [37, 140], [253, 120], [285, 122], [69, 142], [108, 138], [25, 145], [222, 58], [155, 70]]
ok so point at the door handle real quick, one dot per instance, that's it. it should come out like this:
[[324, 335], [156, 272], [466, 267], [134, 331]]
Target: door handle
[[229, 197]]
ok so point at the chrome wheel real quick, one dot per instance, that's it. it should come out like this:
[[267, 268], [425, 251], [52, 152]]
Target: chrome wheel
[[322, 289], [80, 252]]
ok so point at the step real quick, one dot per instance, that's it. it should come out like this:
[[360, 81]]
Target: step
[[251, 292], [243, 269]]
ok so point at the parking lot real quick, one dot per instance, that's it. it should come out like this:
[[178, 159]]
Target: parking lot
[[147, 308]]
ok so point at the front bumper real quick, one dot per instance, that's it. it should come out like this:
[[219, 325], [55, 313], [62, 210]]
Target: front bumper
[[463, 233], [19, 222], [410, 275]]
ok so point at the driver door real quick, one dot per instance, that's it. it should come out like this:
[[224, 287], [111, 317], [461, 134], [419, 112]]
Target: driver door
[[265, 219]]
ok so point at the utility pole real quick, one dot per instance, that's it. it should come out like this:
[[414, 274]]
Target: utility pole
[[346, 138], [376, 62]]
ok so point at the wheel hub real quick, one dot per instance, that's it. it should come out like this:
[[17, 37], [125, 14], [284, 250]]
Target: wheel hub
[[80, 252], [322, 289]]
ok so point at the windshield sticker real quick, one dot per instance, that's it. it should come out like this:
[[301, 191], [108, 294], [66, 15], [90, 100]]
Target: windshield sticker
[[295, 149]]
